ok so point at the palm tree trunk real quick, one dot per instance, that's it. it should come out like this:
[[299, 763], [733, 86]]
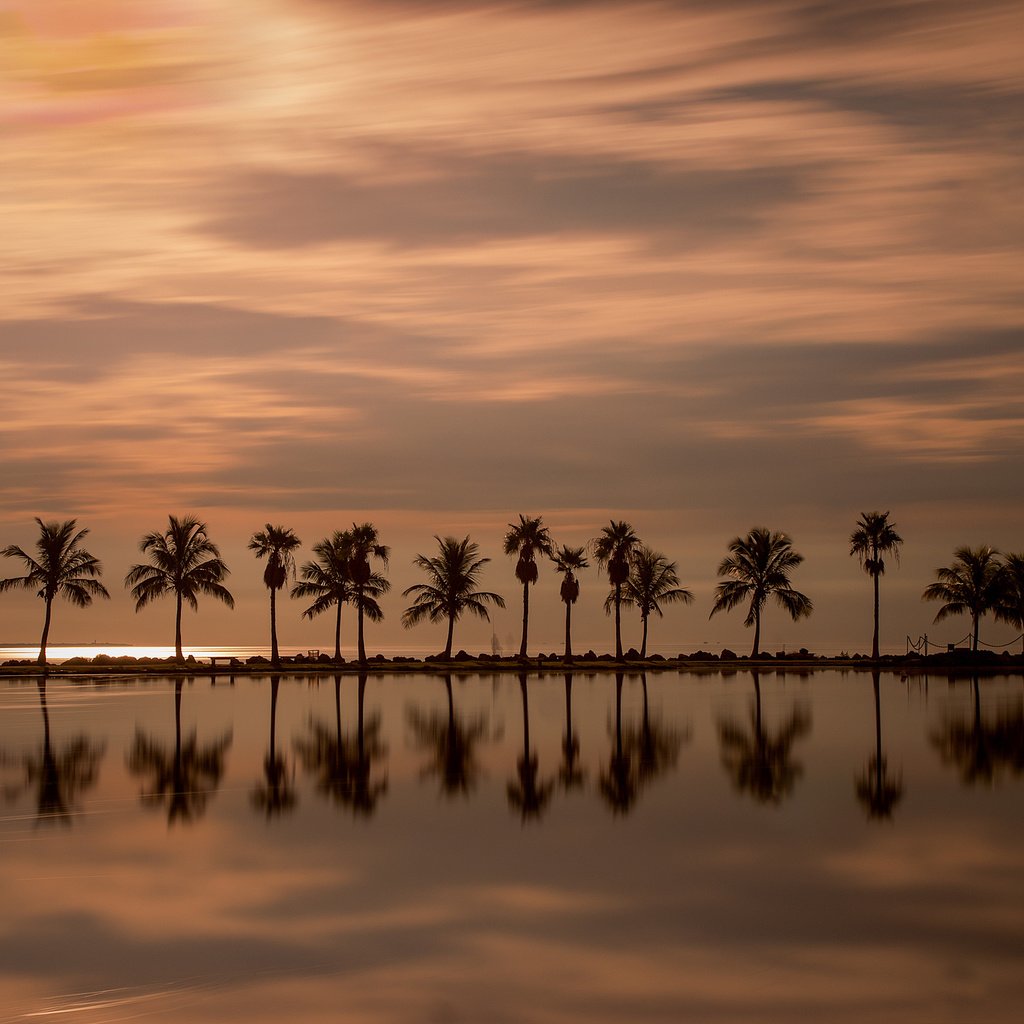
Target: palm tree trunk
[[46, 631], [275, 657], [974, 646], [643, 641], [757, 633], [618, 630], [337, 635], [568, 629], [451, 632], [874, 639], [359, 619], [177, 630], [526, 618]]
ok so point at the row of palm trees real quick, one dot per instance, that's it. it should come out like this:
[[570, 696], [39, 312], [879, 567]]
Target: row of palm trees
[[347, 569]]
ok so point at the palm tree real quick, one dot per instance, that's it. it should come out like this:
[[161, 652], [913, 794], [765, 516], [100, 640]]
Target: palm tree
[[568, 561], [527, 539], [326, 580], [1011, 605], [277, 545], [60, 569], [874, 537], [362, 543], [974, 584], [759, 566], [652, 582], [183, 561], [613, 551], [454, 575]]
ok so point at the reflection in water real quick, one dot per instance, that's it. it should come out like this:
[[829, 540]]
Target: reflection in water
[[274, 794], [758, 760], [344, 766], [982, 750], [528, 794], [571, 774], [183, 778], [57, 777], [619, 781], [657, 745], [451, 742], [877, 791]]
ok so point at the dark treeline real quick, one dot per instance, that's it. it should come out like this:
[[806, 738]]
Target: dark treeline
[[348, 568], [345, 761]]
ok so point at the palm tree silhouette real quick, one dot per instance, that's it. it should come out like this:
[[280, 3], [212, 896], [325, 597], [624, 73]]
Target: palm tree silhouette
[[758, 761], [361, 544], [183, 561], [327, 581], [277, 545], [528, 794], [527, 539], [454, 575], [973, 585], [877, 791], [570, 774], [652, 582], [1011, 603], [451, 742], [981, 750], [614, 551], [60, 569], [274, 794], [56, 776], [619, 782], [569, 561], [759, 566], [183, 778], [875, 537]]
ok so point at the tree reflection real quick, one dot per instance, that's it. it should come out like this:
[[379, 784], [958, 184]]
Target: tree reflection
[[274, 794], [345, 765], [878, 791], [619, 781], [760, 761], [451, 742], [527, 793], [57, 777], [571, 774], [656, 744], [182, 779], [982, 750]]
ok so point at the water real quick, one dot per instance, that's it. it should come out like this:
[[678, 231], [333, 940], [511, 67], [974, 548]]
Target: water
[[248, 852]]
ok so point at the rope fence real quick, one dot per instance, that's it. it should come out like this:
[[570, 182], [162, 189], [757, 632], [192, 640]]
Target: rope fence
[[921, 645]]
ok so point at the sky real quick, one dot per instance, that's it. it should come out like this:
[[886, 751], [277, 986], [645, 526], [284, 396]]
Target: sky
[[699, 266]]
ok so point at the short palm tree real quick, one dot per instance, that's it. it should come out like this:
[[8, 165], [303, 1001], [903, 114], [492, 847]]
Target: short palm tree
[[363, 543], [277, 545], [652, 582], [758, 567], [527, 539], [183, 561], [875, 537], [1011, 605], [569, 561], [327, 581], [454, 575], [613, 551], [60, 568], [974, 584]]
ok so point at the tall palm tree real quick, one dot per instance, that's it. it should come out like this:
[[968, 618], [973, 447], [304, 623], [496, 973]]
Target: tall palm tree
[[60, 569], [974, 584], [183, 561], [454, 575], [362, 544], [613, 551], [758, 567], [327, 581], [652, 582], [277, 545], [569, 561], [527, 539], [875, 537], [1011, 604]]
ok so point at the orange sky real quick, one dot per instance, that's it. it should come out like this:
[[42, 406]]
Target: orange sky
[[700, 266]]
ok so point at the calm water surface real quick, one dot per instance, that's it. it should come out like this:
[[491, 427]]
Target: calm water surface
[[822, 847]]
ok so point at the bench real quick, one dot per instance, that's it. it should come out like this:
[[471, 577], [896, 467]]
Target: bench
[[225, 658]]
